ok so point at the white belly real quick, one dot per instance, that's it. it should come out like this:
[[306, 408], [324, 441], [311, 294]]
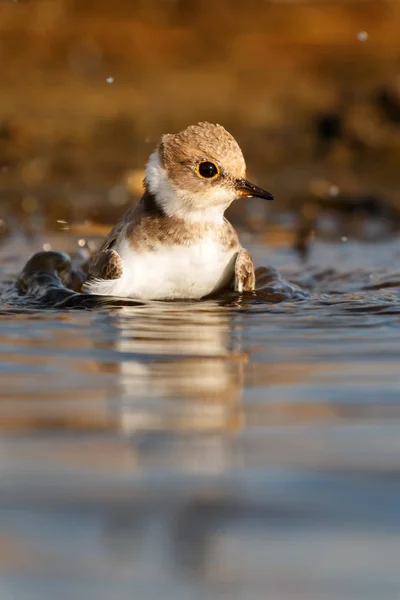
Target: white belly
[[170, 272]]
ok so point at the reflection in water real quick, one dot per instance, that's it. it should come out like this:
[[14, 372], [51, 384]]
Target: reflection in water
[[159, 371], [236, 450], [194, 379], [147, 368]]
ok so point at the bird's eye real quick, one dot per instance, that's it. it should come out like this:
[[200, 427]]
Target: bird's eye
[[207, 170]]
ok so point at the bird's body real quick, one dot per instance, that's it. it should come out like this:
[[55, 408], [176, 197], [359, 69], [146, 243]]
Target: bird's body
[[165, 257], [167, 273], [176, 243]]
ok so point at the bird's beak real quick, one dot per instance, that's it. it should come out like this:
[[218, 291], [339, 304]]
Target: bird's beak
[[249, 190]]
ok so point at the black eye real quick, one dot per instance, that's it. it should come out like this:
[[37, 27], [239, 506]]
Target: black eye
[[207, 169]]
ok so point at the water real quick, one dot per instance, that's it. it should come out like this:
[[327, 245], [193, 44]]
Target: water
[[206, 450]]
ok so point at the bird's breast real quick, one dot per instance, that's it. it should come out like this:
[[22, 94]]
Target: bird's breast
[[171, 271]]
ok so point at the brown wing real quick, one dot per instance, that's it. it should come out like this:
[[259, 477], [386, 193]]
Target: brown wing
[[244, 272], [128, 217], [107, 263]]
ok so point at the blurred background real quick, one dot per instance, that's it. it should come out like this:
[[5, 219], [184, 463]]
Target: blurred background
[[310, 88]]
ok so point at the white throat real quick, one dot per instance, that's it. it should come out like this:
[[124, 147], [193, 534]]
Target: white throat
[[176, 202]]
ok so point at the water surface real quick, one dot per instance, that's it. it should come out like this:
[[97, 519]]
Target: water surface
[[211, 450]]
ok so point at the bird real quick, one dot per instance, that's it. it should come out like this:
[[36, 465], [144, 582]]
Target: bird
[[175, 243]]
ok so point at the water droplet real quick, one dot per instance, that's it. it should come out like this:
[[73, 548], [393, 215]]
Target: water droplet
[[82, 243], [110, 80], [344, 238], [46, 247], [362, 36]]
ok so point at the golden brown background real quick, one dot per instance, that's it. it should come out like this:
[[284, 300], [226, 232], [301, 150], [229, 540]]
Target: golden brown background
[[74, 138]]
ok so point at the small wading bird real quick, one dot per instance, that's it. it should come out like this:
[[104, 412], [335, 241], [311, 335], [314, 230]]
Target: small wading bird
[[176, 243]]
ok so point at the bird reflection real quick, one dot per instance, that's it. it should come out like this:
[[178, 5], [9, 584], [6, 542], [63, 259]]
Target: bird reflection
[[179, 371], [181, 378]]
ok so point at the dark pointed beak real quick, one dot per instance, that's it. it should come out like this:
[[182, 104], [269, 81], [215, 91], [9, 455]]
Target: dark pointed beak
[[249, 190]]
